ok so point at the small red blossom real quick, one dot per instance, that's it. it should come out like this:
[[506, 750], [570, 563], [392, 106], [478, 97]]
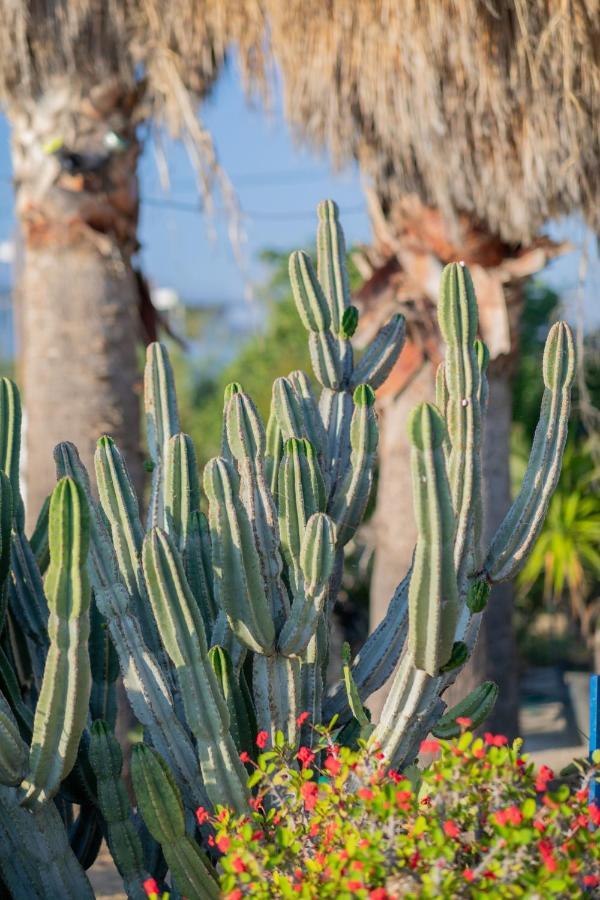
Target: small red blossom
[[298, 874], [489, 874], [464, 721], [380, 755], [314, 829], [238, 865], [394, 776], [366, 794], [451, 829], [495, 740], [151, 887], [414, 860], [305, 756], [333, 766], [302, 718], [261, 740], [591, 880], [511, 814], [354, 885], [357, 865], [211, 841], [595, 814], [223, 843], [236, 894], [581, 795], [430, 746], [539, 826], [378, 894], [478, 752], [244, 757], [257, 836], [544, 775], [202, 815], [468, 874], [255, 803], [309, 793]]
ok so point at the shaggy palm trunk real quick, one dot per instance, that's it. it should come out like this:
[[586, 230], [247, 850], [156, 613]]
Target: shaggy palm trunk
[[75, 157]]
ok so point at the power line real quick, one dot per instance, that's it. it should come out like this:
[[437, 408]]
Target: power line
[[182, 206]]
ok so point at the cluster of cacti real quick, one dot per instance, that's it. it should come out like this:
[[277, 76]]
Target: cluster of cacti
[[219, 622]]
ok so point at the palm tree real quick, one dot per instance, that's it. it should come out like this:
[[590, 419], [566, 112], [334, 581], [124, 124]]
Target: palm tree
[[77, 80], [473, 123]]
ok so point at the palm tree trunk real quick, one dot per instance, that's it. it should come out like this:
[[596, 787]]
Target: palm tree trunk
[[75, 157]]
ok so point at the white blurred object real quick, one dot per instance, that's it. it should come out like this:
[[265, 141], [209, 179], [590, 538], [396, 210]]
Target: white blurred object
[[7, 252], [164, 298]]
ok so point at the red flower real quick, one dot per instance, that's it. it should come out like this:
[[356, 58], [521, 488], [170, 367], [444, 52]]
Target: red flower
[[235, 895], [309, 792], [495, 740], [244, 757], [357, 864], [306, 756], [451, 829], [489, 874], [512, 814], [238, 865], [468, 874], [201, 815], [414, 860], [380, 756], [378, 894], [354, 885], [302, 719], [478, 752], [151, 887], [430, 746], [256, 804], [298, 874], [591, 880], [464, 721], [539, 826], [543, 777], [257, 835], [595, 814], [223, 843], [261, 739], [366, 794], [333, 765]]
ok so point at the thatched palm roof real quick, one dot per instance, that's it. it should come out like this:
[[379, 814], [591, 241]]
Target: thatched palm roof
[[491, 107]]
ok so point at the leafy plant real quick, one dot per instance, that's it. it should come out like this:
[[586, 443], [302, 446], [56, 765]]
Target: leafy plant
[[480, 820]]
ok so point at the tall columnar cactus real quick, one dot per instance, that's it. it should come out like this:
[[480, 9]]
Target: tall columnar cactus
[[218, 609]]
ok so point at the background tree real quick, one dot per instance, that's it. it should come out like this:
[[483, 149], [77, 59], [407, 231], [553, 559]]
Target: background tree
[[473, 123], [77, 79]]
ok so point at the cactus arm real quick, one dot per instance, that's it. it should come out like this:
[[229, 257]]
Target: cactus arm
[[274, 452], [242, 719], [123, 840], [433, 596], [62, 706], [35, 857], [39, 537], [351, 498], [160, 803], [120, 506], [331, 262], [85, 836], [13, 749], [12, 692], [10, 443], [457, 316], [182, 632], [521, 525], [104, 666], [314, 429], [477, 706], [197, 559], [246, 437], [239, 588], [317, 557], [145, 682], [311, 303], [6, 519], [381, 355], [301, 493], [182, 488], [162, 421], [336, 408], [27, 602], [277, 694], [223, 636]]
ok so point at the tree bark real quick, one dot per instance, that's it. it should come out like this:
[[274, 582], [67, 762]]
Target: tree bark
[[75, 157]]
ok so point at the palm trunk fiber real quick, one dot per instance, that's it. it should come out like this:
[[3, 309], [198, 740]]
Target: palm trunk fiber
[[75, 157]]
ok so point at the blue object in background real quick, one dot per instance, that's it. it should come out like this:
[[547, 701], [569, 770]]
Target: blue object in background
[[595, 731]]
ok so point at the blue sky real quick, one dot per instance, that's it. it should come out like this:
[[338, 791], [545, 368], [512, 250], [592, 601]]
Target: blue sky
[[278, 185]]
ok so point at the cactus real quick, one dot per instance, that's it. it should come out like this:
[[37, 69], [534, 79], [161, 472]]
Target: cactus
[[220, 623]]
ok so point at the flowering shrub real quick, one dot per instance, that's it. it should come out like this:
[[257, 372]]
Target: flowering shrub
[[480, 820]]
